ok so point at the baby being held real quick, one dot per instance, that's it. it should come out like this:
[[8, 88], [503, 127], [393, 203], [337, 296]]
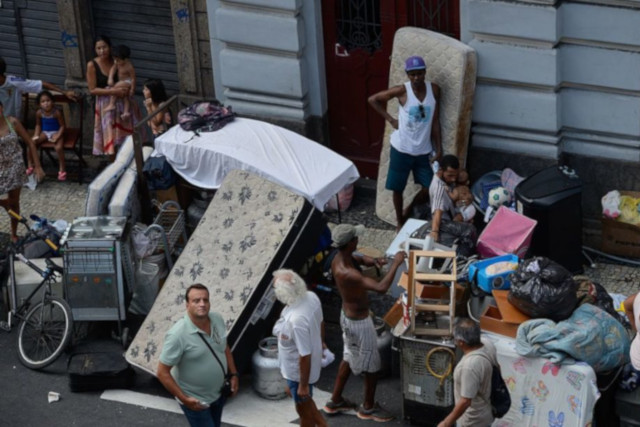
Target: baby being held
[[126, 78], [462, 197]]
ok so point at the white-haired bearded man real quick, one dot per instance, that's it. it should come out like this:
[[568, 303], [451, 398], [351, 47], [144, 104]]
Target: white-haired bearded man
[[300, 331]]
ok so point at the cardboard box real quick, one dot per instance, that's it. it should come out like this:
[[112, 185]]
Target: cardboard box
[[394, 315], [491, 320], [621, 238], [431, 291]]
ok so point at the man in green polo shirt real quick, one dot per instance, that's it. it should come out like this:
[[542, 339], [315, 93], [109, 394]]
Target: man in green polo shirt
[[188, 368]]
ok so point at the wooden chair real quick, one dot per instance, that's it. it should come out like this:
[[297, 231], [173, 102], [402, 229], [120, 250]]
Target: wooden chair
[[72, 137]]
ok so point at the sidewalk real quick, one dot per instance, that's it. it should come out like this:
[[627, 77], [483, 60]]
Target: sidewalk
[[65, 200]]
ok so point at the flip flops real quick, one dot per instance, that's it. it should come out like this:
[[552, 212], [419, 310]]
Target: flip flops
[[29, 170], [62, 176]]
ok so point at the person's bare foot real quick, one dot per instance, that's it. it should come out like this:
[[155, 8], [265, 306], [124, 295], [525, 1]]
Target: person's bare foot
[[109, 107]]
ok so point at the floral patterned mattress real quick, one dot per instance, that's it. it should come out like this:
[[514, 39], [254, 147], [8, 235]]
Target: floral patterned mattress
[[251, 228]]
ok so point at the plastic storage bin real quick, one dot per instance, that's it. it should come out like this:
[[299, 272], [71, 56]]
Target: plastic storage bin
[[553, 197], [493, 273]]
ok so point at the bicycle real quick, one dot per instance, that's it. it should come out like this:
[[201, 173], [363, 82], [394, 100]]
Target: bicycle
[[47, 324]]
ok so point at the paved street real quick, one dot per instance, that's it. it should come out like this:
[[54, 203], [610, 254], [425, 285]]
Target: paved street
[[24, 401]]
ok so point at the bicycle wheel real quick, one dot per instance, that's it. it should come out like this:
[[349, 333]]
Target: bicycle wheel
[[44, 333]]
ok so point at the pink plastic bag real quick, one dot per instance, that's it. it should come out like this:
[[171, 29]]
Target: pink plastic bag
[[508, 232]]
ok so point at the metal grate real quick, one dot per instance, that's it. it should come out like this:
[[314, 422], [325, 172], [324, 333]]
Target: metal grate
[[87, 261], [418, 384], [435, 15], [358, 25]]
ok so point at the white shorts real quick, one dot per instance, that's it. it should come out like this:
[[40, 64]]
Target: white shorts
[[49, 133]]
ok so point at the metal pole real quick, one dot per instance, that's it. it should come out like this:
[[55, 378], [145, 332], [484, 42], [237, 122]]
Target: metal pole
[[143, 187]]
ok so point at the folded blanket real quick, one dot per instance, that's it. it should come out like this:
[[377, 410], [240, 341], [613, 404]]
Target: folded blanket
[[590, 335]]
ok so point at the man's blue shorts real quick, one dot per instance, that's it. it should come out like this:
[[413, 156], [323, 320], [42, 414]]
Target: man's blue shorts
[[401, 164], [293, 388]]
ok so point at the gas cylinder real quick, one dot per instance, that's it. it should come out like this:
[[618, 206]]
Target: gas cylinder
[[384, 346], [267, 379]]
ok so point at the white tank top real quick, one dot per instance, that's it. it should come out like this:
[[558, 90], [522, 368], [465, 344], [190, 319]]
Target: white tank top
[[413, 135]]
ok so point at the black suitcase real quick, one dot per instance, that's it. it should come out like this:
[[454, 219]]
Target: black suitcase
[[99, 365]]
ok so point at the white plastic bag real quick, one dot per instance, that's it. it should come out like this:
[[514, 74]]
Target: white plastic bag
[[147, 282]]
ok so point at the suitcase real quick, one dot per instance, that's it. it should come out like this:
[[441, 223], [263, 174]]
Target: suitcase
[[99, 365]]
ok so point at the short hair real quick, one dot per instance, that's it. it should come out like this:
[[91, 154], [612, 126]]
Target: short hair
[[3, 66], [102, 38], [156, 88], [121, 52], [467, 331], [43, 93], [195, 286], [449, 161]]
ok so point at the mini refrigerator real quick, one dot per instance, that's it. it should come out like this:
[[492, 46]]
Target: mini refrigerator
[[553, 197]]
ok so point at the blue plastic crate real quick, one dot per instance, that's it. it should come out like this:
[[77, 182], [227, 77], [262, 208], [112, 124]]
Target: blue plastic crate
[[489, 280]]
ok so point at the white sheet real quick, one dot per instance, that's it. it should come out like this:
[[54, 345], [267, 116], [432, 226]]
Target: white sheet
[[275, 153]]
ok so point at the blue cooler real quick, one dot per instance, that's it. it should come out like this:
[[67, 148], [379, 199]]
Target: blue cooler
[[493, 273]]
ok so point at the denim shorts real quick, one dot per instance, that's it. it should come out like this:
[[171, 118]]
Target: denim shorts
[[400, 164], [293, 387]]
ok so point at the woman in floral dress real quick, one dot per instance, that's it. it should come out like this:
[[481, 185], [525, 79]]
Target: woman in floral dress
[[13, 173]]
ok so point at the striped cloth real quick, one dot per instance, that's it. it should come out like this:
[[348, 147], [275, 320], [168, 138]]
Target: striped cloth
[[360, 344]]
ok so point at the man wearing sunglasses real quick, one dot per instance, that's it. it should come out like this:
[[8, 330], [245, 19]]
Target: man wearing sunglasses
[[417, 135]]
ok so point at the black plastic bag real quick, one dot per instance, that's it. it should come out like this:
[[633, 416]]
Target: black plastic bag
[[542, 288], [462, 234]]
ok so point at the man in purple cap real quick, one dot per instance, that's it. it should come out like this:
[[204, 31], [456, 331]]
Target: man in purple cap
[[417, 140]]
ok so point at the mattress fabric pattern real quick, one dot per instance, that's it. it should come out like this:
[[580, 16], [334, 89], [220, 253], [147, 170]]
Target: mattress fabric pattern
[[452, 66], [231, 252]]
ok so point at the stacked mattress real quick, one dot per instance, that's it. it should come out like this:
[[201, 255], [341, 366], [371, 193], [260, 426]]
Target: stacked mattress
[[251, 228]]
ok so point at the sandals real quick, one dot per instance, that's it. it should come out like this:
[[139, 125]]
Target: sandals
[[62, 176], [29, 170]]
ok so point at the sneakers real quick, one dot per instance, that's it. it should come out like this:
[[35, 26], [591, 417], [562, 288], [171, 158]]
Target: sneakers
[[333, 408], [376, 414]]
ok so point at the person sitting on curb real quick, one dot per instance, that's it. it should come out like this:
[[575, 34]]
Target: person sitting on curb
[[358, 333]]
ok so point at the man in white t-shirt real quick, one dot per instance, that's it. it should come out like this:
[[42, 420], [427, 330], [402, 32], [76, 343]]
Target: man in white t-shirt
[[300, 331], [12, 88], [471, 378]]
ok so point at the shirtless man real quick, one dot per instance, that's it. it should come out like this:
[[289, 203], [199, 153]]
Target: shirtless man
[[358, 333]]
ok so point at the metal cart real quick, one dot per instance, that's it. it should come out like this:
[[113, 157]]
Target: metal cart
[[94, 275], [170, 223]]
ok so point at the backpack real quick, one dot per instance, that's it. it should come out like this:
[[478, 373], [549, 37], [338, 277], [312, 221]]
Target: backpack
[[500, 397], [205, 116]]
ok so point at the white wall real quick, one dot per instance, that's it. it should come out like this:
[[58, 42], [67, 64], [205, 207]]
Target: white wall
[[556, 78], [268, 58]]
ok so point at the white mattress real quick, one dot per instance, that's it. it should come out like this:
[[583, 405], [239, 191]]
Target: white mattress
[[125, 201], [102, 187], [452, 66], [283, 156], [251, 228]]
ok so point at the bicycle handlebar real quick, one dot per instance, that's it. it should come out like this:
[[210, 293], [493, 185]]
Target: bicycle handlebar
[[23, 221]]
